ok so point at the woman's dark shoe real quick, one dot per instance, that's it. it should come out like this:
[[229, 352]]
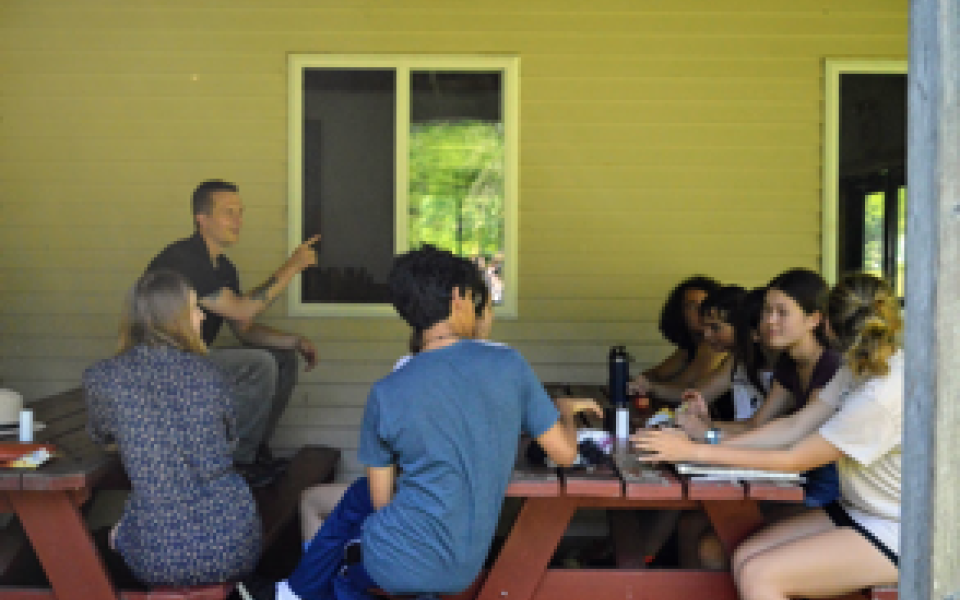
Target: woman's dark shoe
[[256, 475], [265, 458]]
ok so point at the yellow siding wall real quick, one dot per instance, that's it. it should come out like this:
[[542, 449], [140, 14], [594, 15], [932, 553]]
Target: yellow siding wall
[[658, 139]]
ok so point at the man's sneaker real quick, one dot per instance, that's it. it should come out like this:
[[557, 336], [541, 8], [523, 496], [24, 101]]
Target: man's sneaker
[[254, 587], [255, 475]]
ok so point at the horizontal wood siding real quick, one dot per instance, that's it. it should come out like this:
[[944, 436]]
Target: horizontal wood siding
[[657, 140]]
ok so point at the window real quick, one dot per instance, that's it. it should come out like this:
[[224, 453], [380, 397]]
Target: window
[[877, 204], [864, 169], [388, 152]]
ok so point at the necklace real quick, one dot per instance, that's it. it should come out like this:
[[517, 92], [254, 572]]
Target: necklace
[[428, 342]]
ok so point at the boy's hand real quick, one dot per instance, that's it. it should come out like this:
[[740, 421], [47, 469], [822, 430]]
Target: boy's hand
[[571, 406]]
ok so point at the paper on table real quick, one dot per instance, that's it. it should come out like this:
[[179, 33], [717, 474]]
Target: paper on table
[[722, 472]]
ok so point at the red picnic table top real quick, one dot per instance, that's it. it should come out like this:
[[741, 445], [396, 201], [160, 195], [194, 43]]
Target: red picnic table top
[[551, 497]]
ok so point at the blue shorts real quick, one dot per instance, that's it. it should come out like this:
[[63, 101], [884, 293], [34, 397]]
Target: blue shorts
[[321, 572], [822, 486]]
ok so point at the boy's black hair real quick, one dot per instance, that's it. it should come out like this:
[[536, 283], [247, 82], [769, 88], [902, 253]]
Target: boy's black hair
[[746, 320], [725, 301], [480, 295], [672, 325], [422, 281]]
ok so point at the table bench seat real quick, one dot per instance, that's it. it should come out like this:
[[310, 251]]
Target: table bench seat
[[215, 591]]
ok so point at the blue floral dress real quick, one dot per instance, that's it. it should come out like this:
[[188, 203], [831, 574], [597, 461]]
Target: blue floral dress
[[190, 517]]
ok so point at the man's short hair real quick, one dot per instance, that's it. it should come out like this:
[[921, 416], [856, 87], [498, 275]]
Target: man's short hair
[[203, 195], [422, 281]]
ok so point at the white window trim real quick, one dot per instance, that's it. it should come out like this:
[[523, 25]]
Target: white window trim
[[403, 64], [833, 69]]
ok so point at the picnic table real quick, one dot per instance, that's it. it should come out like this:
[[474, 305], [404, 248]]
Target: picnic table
[[48, 502], [551, 498]]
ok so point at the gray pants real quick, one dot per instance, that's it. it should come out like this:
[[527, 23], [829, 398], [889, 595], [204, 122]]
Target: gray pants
[[263, 381]]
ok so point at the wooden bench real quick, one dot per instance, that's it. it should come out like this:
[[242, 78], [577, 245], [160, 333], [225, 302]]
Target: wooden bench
[[883, 592], [880, 592], [65, 417]]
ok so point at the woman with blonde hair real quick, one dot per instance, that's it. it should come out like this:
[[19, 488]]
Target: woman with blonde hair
[[852, 543], [190, 518]]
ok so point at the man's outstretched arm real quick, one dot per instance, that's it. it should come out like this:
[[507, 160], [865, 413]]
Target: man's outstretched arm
[[243, 309]]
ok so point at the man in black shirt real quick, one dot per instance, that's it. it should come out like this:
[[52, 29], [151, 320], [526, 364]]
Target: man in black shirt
[[265, 372]]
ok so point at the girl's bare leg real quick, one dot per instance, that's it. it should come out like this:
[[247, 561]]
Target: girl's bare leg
[[808, 557], [809, 522]]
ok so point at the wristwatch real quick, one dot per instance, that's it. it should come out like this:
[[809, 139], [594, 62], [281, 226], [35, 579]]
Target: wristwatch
[[712, 436]]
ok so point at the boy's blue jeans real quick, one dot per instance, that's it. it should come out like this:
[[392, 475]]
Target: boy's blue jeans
[[318, 575]]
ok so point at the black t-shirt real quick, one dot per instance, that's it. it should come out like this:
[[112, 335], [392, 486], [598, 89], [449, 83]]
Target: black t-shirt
[[786, 374], [190, 258], [823, 483]]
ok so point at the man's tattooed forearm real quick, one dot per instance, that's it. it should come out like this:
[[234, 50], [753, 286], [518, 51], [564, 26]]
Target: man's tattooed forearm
[[261, 291]]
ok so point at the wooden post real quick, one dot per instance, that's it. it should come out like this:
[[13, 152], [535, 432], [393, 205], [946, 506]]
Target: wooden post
[[930, 539]]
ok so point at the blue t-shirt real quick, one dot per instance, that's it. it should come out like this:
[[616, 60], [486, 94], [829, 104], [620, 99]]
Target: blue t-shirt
[[450, 419]]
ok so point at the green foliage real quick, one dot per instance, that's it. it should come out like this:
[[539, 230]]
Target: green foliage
[[873, 240], [456, 186]]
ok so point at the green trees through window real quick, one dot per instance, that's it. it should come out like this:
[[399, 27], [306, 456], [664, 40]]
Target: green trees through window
[[456, 190]]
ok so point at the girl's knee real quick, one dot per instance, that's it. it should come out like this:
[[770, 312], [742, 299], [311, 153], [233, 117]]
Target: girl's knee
[[740, 557], [756, 579], [712, 554]]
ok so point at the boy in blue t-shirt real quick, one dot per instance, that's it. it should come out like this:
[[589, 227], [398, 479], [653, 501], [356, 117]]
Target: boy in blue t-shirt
[[439, 439]]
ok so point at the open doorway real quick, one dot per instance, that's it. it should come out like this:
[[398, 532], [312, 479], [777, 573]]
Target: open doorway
[[864, 187]]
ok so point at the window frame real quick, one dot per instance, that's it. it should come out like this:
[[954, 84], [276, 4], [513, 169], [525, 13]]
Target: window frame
[[403, 64], [833, 69]]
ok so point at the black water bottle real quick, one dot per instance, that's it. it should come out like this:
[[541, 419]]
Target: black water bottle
[[619, 374]]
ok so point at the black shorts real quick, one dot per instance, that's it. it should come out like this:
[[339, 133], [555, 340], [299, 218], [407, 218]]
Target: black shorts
[[840, 518]]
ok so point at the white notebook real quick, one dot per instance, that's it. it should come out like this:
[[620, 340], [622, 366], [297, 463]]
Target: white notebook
[[722, 472]]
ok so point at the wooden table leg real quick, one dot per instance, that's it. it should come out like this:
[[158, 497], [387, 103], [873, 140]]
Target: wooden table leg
[[628, 541], [64, 546], [529, 547], [733, 520]]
